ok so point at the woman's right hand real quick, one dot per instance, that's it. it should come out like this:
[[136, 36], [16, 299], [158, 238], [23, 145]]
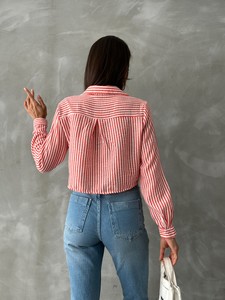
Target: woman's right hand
[[174, 248]]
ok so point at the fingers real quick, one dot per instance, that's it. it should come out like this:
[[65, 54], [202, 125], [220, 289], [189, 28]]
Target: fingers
[[25, 104], [31, 95], [174, 249], [174, 254], [161, 254], [27, 101], [31, 100], [174, 258], [41, 101]]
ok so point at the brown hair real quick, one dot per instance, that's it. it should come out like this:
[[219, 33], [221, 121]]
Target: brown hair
[[107, 63]]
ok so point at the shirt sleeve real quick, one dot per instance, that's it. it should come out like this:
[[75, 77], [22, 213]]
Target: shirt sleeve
[[153, 184], [48, 149]]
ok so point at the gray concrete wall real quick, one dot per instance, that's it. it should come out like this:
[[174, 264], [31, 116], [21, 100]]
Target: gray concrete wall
[[178, 50]]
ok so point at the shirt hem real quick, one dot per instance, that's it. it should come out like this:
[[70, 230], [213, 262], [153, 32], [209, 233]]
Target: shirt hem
[[109, 191]]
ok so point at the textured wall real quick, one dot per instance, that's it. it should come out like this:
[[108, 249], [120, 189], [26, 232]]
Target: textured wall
[[178, 65]]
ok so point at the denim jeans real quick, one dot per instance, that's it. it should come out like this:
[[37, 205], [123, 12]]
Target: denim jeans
[[114, 221]]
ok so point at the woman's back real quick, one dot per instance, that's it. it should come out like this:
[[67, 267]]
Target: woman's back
[[102, 128]]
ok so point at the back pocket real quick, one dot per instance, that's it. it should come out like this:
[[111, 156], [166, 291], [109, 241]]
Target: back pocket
[[77, 212], [127, 219]]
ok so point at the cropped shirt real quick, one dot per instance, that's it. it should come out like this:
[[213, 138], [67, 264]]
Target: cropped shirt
[[112, 146]]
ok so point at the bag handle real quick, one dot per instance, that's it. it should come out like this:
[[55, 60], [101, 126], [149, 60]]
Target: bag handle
[[169, 270]]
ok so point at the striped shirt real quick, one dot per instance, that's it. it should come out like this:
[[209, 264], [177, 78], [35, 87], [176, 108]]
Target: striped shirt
[[112, 145]]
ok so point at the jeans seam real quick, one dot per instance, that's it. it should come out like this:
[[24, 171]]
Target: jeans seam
[[99, 217]]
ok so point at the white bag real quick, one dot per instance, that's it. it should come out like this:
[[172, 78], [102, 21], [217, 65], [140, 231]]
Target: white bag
[[168, 284]]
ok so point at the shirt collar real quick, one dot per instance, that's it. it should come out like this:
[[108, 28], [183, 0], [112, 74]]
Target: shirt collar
[[104, 89]]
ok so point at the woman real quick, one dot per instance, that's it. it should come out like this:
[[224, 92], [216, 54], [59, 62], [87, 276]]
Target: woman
[[112, 144]]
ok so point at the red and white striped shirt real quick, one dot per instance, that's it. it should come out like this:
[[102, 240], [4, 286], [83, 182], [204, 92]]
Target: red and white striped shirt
[[112, 145]]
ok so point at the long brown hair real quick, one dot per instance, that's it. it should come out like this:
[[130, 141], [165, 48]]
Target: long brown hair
[[107, 63]]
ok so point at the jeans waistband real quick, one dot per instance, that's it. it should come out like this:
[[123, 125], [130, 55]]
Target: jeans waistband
[[134, 190]]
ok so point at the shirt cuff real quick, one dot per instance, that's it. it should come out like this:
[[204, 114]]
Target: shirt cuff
[[39, 122], [167, 233], [40, 125]]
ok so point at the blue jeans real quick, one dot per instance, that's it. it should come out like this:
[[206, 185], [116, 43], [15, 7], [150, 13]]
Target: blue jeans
[[114, 221]]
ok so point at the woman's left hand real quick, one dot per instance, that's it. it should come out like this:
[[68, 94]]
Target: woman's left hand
[[36, 109]]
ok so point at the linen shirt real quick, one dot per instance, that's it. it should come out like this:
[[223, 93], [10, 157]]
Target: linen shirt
[[112, 146]]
